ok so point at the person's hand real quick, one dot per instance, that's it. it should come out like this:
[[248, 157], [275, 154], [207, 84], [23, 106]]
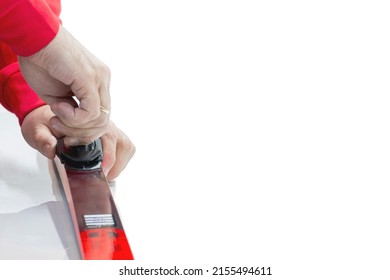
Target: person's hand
[[62, 69], [37, 133], [117, 147], [117, 151]]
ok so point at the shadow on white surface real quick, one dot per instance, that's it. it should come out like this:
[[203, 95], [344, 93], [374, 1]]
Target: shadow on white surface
[[37, 232], [34, 221]]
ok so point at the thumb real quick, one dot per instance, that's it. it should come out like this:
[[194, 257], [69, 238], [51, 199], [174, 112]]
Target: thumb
[[45, 142], [109, 152]]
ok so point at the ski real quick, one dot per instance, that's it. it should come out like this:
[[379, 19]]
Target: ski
[[96, 221]]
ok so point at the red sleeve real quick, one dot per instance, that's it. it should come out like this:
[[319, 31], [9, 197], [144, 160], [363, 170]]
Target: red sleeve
[[15, 94], [28, 25]]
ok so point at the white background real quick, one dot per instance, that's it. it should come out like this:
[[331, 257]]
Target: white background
[[261, 127]]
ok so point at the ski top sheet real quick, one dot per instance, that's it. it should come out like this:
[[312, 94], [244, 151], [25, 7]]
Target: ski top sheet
[[96, 221]]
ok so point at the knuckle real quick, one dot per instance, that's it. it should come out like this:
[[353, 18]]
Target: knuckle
[[100, 71], [132, 149], [104, 69], [109, 137], [90, 74], [127, 143]]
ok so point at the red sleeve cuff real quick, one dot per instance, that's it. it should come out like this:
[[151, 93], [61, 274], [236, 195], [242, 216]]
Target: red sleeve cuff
[[28, 25], [15, 94]]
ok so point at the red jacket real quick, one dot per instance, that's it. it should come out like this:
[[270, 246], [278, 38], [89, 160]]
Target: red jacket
[[26, 26]]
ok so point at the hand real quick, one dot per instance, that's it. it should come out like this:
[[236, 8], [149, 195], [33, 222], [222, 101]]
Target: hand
[[62, 69], [117, 151], [117, 147], [36, 131]]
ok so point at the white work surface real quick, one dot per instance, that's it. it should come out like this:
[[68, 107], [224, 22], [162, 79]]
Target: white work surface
[[34, 221], [262, 132]]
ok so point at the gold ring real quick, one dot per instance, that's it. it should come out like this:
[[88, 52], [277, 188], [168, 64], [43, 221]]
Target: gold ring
[[104, 110]]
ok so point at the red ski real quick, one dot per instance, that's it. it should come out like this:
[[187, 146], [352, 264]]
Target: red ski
[[96, 221]]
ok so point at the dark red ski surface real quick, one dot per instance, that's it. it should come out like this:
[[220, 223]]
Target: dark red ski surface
[[95, 217]]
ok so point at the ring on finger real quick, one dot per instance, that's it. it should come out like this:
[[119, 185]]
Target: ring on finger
[[104, 110]]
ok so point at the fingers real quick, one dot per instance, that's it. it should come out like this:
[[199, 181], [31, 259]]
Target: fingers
[[56, 103], [80, 135], [76, 116], [64, 66], [109, 152], [125, 151], [117, 152], [104, 91], [84, 122], [77, 133], [90, 86], [37, 133], [45, 142]]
